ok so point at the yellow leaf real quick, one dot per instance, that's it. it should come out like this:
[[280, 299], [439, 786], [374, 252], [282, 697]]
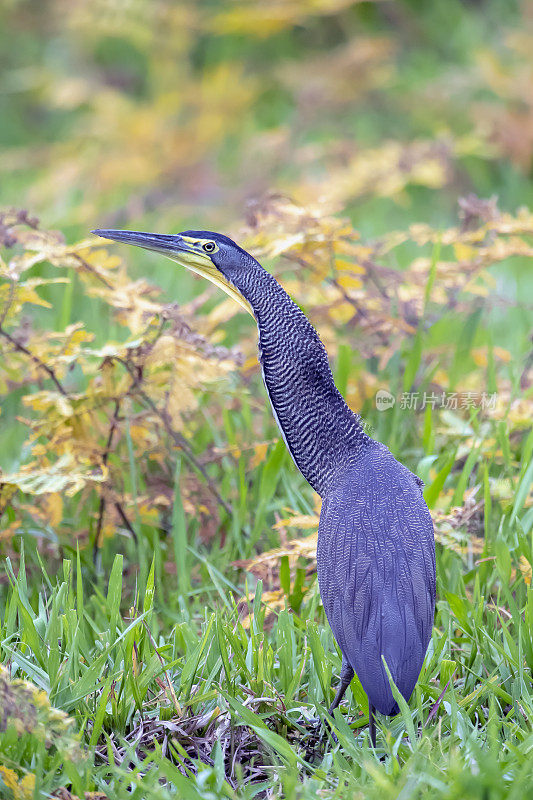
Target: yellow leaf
[[477, 289], [349, 281], [502, 354], [52, 507], [342, 312], [521, 412], [10, 530], [10, 778], [260, 451], [464, 252], [26, 294], [27, 785], [430, 172], [348, 266], [250, 363], [108, 530], [222, 312], [161, 500], [298, 521], [149, 515], [163, 351], [480, 355], [140, 435], [274, 600], [107, 371], [296, 548], [180, 399], [525, 569], [64, 406], [21, 790]]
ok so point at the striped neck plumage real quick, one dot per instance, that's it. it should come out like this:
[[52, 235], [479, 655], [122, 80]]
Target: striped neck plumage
[[321, 432]]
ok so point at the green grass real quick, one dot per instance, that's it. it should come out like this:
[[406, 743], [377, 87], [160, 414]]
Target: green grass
[[249, 693], [171, 695]]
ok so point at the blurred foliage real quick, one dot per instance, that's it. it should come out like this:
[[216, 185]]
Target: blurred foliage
[[29, 725], [133, 393], [377, 157], [119, 109], [90, 410]]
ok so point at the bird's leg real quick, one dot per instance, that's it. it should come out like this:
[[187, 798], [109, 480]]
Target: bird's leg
[[372, 723], [347, 674]]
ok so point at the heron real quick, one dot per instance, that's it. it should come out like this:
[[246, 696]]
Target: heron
[[376, 546]]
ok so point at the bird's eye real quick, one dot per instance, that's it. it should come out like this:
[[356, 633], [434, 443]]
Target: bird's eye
[[209, 247]]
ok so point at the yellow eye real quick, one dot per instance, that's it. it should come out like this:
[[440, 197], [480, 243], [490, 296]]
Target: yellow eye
[[209, 247]]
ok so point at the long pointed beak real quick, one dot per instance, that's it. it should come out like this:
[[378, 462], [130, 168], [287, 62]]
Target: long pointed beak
[[158, 242], [178, 249]]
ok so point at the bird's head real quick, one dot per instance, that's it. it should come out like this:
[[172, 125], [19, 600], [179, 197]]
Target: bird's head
[[212, 255]]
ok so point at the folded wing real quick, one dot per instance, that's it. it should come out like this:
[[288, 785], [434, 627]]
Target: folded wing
[[376, 569]]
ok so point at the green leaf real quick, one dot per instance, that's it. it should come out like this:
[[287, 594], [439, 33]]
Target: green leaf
[[179, 536], [285, 575], [464, 345], [405, 711], [344, 359], [524, 487], [114, 592], [100, 713], [413, 362], [29, 633], [432, 492], [319, 658], [223, 650], [463, 480], [271, 471]]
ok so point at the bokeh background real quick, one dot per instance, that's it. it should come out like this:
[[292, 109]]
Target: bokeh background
[[171, 113], [163, 116], [377, 157]]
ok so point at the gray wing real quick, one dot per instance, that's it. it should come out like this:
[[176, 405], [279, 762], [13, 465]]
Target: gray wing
[[376, 570]]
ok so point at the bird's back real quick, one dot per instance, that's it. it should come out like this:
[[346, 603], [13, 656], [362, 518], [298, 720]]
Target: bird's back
[[376, 570]]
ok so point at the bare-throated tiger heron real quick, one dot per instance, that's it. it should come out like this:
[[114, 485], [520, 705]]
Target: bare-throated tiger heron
[[376, 550]]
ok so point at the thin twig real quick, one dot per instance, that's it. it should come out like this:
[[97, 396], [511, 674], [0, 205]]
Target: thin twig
[[36, 360], [435, 706], [91, 270], [97, 538], [182, 443], [126, 521], [178, 439]]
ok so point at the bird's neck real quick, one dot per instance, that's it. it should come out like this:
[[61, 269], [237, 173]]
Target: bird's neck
[[320, 431]]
